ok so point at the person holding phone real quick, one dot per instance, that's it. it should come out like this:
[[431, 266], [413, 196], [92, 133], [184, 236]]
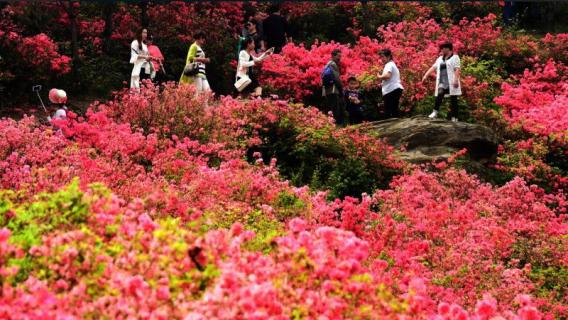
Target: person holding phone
[[247, 60]]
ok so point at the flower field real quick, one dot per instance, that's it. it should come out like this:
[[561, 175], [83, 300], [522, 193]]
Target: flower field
[[164, 205]]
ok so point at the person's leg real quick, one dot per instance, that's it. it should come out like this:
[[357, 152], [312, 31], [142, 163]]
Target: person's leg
[[335, 109], [453, 107], [205, 85], [389, 104], [396, 103], [339, 111], [135, 83], [356, 115], [198, 81], [257, 92], [327, 105], [439, 99], [438, 103]]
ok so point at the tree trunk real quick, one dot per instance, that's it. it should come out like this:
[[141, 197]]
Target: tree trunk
[[69, 7], [108, 13], [143, 4]]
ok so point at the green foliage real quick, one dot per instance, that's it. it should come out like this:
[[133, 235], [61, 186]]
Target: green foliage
[[49, 212], [319, 159], [288, 206], [265, 227], [553, 280]]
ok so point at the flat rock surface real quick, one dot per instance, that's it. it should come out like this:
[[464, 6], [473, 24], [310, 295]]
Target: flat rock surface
[[428, 139]]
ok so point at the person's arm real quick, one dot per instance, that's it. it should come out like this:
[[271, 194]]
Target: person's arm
[[159, 55], [337, 77], [135, 55], [387, 73], [191, 56], [244, 61], [457, 72], [432, 69], [358, 99]]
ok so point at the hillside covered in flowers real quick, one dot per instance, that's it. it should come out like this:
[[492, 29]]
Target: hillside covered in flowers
[[165, 204]]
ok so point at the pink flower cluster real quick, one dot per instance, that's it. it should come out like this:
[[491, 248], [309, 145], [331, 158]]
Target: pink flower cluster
[[539, 101], [39, 51]]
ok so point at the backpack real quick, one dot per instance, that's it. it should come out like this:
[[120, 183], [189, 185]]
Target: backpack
[[327, 75]]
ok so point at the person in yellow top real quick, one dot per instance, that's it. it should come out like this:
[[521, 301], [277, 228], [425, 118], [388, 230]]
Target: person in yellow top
[[197, 55]]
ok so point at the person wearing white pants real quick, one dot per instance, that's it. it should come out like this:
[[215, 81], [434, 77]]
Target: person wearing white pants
[[196, 56], [140, 58]]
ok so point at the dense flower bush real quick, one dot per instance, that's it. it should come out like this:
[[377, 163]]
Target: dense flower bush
[[539, 102], [164, 205]]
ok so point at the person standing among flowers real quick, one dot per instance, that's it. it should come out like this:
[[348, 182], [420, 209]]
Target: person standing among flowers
[[332, 88], [391, 86], [354, 101], [194, 71], [447, 68], [157, 59], [140, 58]]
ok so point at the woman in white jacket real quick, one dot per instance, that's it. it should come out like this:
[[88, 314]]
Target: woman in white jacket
[[140, 58], [447, 68], [245, 67]]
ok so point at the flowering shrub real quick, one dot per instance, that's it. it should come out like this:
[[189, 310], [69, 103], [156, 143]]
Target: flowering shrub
[[161, 205], [157, 233], [38, 53], [532, 160], [309, 148], [538, 103], [556, 46], [70, 252]]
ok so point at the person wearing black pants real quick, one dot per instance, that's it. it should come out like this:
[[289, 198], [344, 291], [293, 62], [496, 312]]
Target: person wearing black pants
[[453, 103], [392, 102], [333, 91], [447, 68], [391, 85]]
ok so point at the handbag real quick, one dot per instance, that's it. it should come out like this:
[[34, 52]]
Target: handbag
[[191, 69], [242, 83]]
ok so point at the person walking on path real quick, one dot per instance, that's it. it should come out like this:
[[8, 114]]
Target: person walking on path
[[332, 88], [140, 58], [391, 86], [194, 71], [157, 59], [245, 70], [447, 68]]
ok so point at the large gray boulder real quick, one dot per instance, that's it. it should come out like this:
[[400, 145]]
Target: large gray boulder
[[429, 139]]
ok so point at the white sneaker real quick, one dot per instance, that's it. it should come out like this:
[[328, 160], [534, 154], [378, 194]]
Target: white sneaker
[[433, 115], [454, 119]]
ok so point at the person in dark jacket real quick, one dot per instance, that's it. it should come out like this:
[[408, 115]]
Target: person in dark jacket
[[275, 29], [333, 92], [354, 101]]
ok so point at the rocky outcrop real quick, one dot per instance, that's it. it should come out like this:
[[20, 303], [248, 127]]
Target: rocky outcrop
[[426, 139]]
